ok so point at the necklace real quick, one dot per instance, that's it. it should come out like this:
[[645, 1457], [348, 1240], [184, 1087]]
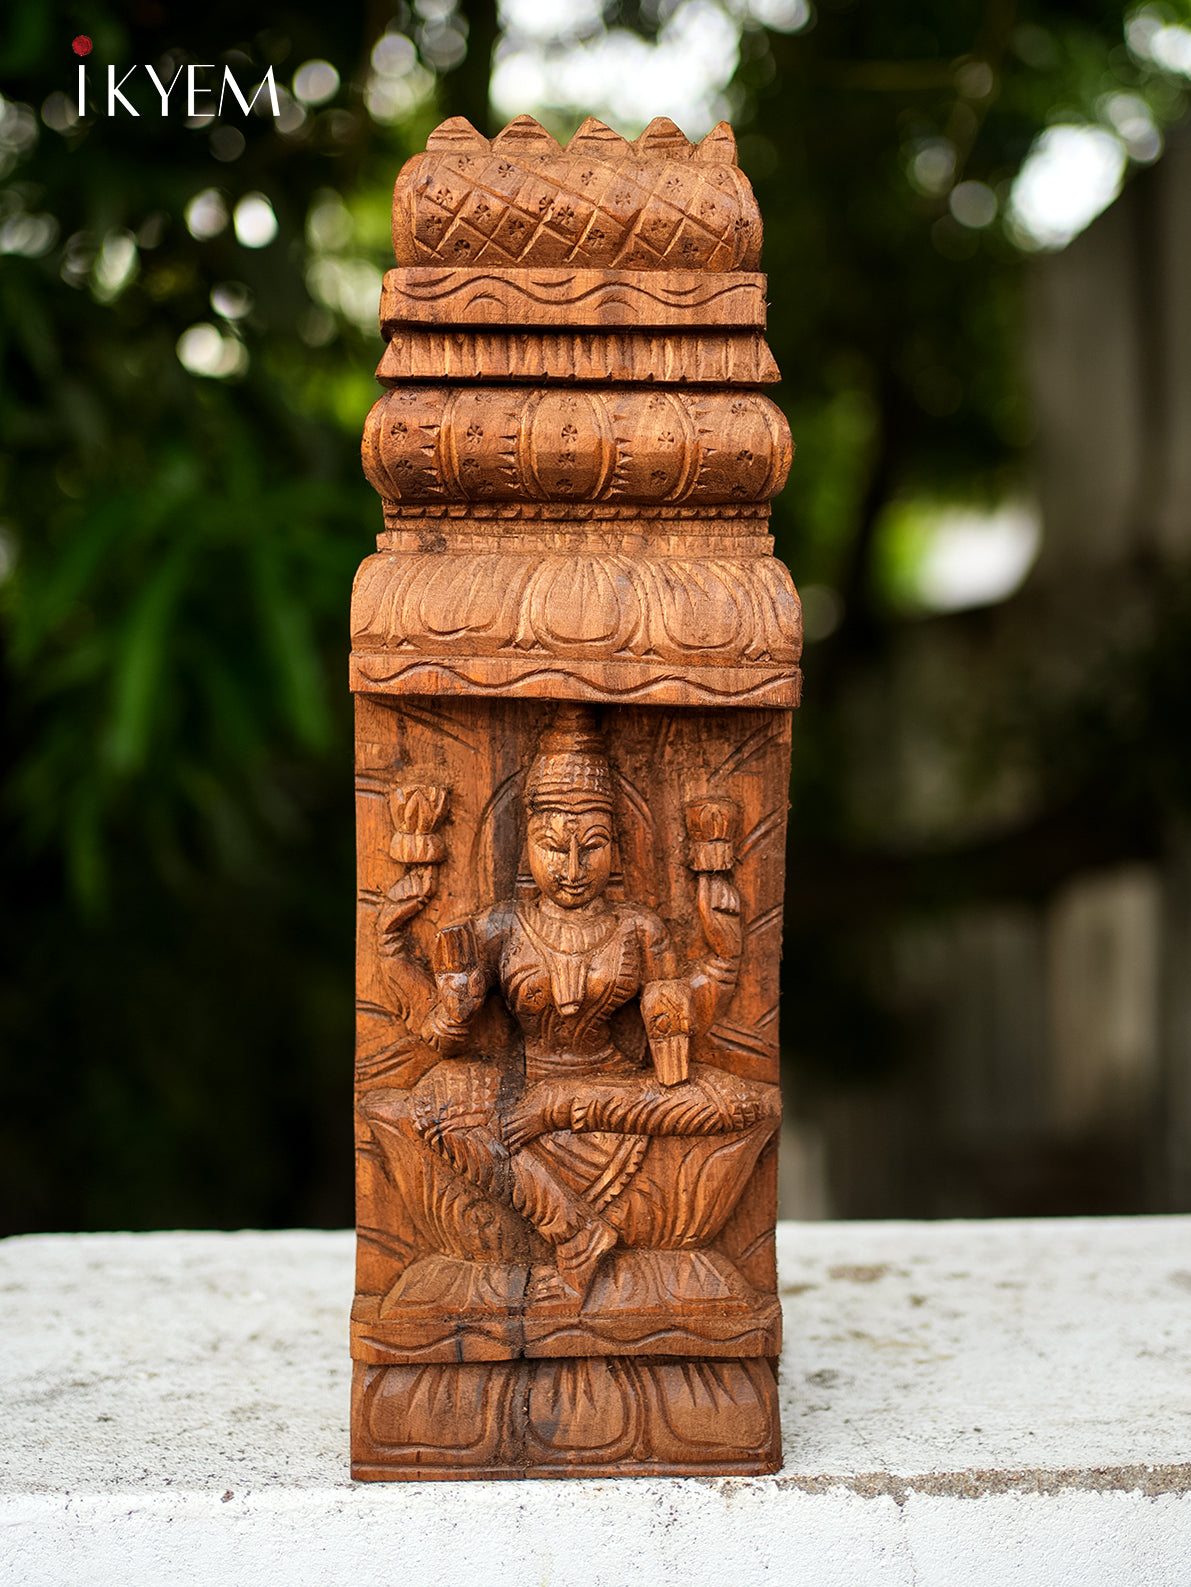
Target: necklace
[[566, 945]]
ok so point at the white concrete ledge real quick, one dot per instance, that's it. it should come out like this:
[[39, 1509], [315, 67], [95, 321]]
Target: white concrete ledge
[[965, 1405]]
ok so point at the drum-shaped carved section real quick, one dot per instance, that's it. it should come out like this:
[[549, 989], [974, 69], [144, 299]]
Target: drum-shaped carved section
[[615, 444]]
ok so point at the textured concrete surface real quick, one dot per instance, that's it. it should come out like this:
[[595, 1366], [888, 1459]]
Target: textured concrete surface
[[976, 1403]]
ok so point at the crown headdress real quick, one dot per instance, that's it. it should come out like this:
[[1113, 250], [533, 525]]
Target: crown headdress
[[570, 770]]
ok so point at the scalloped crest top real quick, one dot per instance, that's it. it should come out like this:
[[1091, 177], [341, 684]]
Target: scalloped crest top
[[520, 199]]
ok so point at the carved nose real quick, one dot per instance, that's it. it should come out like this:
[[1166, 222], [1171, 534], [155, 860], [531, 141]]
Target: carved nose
[[573, 871]]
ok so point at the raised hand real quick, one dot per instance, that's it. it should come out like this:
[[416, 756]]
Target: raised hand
[[718, 903]]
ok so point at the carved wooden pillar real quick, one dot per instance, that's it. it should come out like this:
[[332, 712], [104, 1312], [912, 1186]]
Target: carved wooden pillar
[[574, 661]]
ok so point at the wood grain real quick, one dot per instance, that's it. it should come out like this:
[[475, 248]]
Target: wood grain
[[574, 658], [583, 299], [521, 201], [729, 358], [615, 444]]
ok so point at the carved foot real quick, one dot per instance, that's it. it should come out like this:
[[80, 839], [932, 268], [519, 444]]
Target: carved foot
[[578, 1259], [548, 1286]]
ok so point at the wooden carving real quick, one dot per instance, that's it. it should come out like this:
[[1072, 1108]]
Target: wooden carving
[[574, 659]]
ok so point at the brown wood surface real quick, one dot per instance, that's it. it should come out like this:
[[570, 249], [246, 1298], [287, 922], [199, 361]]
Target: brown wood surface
[[678, 358], [656, 204], [574, 657], [592, 444], [566, 296]]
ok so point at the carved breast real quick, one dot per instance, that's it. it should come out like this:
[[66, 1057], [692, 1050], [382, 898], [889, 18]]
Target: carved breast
[[561, 995]]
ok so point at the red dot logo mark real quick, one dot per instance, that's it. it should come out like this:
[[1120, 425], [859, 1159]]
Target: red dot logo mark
[[81, 45]]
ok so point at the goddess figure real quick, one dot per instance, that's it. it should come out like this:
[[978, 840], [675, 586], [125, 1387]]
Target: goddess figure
[[568, 1151]]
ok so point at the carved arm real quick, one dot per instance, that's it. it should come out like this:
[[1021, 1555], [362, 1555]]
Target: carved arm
[[711, 826], [667, 1007], [462, 984], [417, 809]]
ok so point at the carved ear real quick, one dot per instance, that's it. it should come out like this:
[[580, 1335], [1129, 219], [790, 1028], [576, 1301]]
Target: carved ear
[[664, 138], [457, 136], [524, 135], [595, 139], [719, 146]]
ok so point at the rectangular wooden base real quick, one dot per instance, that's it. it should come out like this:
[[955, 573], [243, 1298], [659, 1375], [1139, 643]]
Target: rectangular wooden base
[[606, 1416]]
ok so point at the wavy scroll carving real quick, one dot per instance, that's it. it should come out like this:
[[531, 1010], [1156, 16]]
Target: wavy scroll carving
[[581, 299], [435, 443], [596, 681]]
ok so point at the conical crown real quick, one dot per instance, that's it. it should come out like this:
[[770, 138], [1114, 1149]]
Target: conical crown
[[570, 770]]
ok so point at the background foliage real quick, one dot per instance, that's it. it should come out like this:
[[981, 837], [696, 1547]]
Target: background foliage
[[175, 992]]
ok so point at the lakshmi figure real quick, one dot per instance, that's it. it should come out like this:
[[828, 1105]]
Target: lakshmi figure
[[568, 1155]]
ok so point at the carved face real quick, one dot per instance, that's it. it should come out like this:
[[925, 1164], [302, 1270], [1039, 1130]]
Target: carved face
[[570, 855]]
